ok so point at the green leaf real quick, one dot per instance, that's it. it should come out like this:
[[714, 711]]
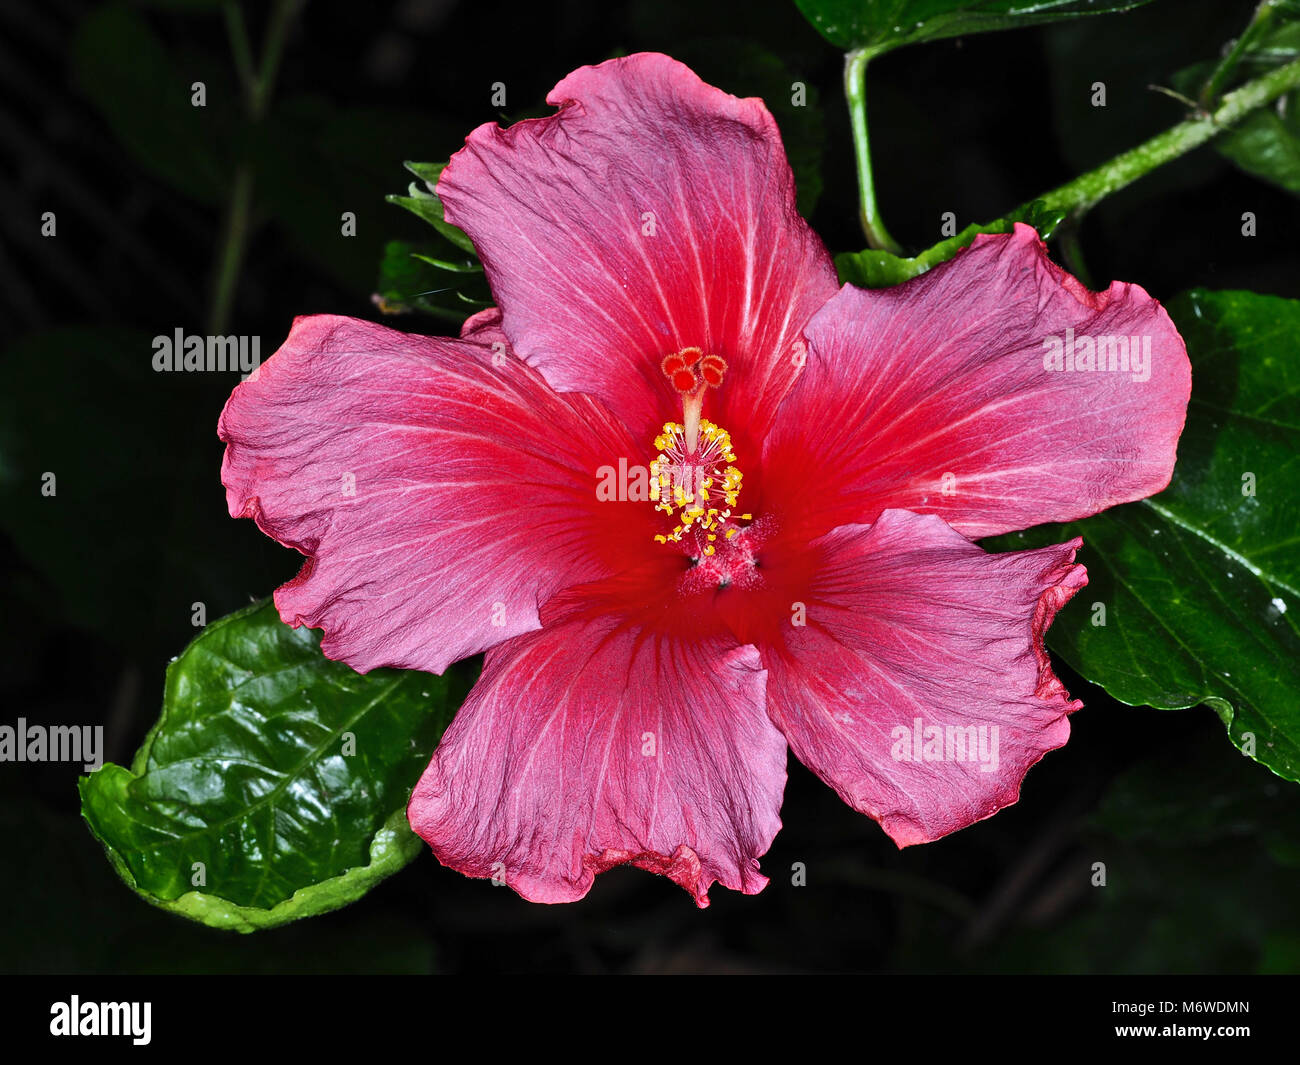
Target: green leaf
[[881, 269], [872, 268], [1201, 584], [424, 203], [882, 25], [410, 279], [82, 921], [465, 267], [1266, 143], [351, 155], [445, 280], [284, 774]]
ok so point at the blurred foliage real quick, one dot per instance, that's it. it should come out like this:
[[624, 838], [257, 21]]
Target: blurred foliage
[[1202, 873]]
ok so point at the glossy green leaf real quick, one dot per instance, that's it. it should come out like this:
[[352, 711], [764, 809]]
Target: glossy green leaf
[[882, 25], [872, 268], [81, 921], [1200, 585], [274, 785]]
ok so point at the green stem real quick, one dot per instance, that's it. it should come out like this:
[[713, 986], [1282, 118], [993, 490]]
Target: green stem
[[855, 91], [230, 255], [1259, 21], [1079, 196], [239, 48], [277, 31], [239, 210]]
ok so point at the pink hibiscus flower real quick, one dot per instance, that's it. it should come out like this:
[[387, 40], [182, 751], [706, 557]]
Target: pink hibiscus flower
[[697, 502]]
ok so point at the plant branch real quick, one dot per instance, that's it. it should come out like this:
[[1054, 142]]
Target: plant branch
[[1258, 23], [855, 91], [1079, 196], [240, 51], [277, 31], [230, 256]]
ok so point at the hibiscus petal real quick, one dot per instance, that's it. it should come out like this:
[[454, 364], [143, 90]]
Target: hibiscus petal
[[933, 397], [911, 627], [652, 213], [484, 327], [591, 744], [441, 489]]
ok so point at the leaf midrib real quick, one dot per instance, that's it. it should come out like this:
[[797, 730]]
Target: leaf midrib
[[1220, 546], [290, 775]]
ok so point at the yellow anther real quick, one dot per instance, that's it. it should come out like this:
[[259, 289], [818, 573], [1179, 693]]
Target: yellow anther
[[697, 480]]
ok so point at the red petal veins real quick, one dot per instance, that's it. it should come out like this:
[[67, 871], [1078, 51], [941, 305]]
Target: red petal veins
[[588, 745], [650, 214], [440, 488], [933, 396]]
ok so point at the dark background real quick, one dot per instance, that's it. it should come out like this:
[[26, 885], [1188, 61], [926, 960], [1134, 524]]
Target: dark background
[[1202, 846]]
